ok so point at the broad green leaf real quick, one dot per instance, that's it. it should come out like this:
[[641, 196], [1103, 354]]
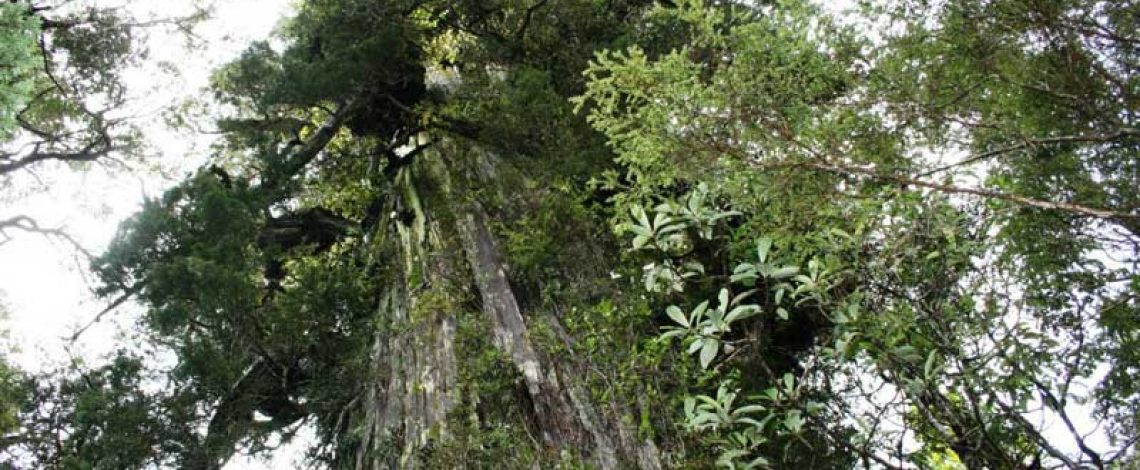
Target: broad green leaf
[[782, 313], [639, 242], [708, 351], [741, 312], [677, 315], [762, 246], [784, 272]]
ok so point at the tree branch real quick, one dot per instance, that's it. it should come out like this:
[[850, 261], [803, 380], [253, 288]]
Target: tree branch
[[28, 224], [115, 304], [1095, 138]]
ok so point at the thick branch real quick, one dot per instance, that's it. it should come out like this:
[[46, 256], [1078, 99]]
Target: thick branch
[[299, 158]]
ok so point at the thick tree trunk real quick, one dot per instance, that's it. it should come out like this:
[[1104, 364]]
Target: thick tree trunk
[[413, 356], [409, 404], [414, 361], [566, 417]]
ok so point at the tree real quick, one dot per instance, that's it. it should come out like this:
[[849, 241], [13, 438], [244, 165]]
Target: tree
[[62, 97], [342, 161], [878, 301], [426, 234], [102, 417]]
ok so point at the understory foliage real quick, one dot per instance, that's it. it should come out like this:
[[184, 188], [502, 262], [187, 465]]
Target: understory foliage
[[622, 233]]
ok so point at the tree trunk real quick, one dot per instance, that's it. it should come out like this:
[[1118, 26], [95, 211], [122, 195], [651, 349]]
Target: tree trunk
[[413, 356], [414, 361], [416, 373], [566, 418]]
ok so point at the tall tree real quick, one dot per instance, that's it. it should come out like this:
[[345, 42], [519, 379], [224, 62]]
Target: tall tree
[[453, 234], [903, 313]]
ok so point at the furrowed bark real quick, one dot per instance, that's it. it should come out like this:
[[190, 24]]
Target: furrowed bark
[[566, 418], [413, 357], [414, 390]]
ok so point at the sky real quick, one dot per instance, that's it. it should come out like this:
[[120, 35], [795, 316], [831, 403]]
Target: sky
[[43, 286]]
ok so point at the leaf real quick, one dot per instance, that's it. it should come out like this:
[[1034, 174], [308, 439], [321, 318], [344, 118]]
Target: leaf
[[744, 272], [762, 246], [785, 272], [695, 267], [640, 231], [741, 312], [670, 229], [782, 313], [793, 422], [639, 242], [723, 298], [697, 198], [928, 368], [708, 351], [639, 214], [709, 402], [724, 215], [699, 312], [741, 296], [748, 409], [677, 315], [759, 425], [758, 462]]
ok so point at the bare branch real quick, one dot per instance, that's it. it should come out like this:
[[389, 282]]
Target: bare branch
[[1094, 138], [28, 224], [115, 304]]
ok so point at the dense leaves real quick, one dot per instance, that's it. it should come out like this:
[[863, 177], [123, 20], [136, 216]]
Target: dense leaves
[[675, 234]]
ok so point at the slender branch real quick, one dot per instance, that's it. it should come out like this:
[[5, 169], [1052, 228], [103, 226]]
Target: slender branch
[[1109, 137], [521, 33], [945, 188], [115, 304], [28, 224]]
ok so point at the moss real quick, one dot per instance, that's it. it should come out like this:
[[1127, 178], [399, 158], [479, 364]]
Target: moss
[[489, 426], [430, 302]]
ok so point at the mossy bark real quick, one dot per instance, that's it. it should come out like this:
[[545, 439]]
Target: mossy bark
[[447, 253], [414, 385]]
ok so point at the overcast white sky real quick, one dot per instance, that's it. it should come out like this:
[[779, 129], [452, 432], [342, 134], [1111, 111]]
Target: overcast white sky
[[42, 282]]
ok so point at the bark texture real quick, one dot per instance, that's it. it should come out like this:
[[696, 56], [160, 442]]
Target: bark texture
[[409, 403], [567, 419], [413, 357]]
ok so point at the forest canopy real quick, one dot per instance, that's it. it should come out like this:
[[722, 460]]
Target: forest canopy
[[618, 234]]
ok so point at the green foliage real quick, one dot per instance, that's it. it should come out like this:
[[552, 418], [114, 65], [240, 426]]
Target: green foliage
[[19, 58], [103, 418], [971, 310], [795, 278]]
